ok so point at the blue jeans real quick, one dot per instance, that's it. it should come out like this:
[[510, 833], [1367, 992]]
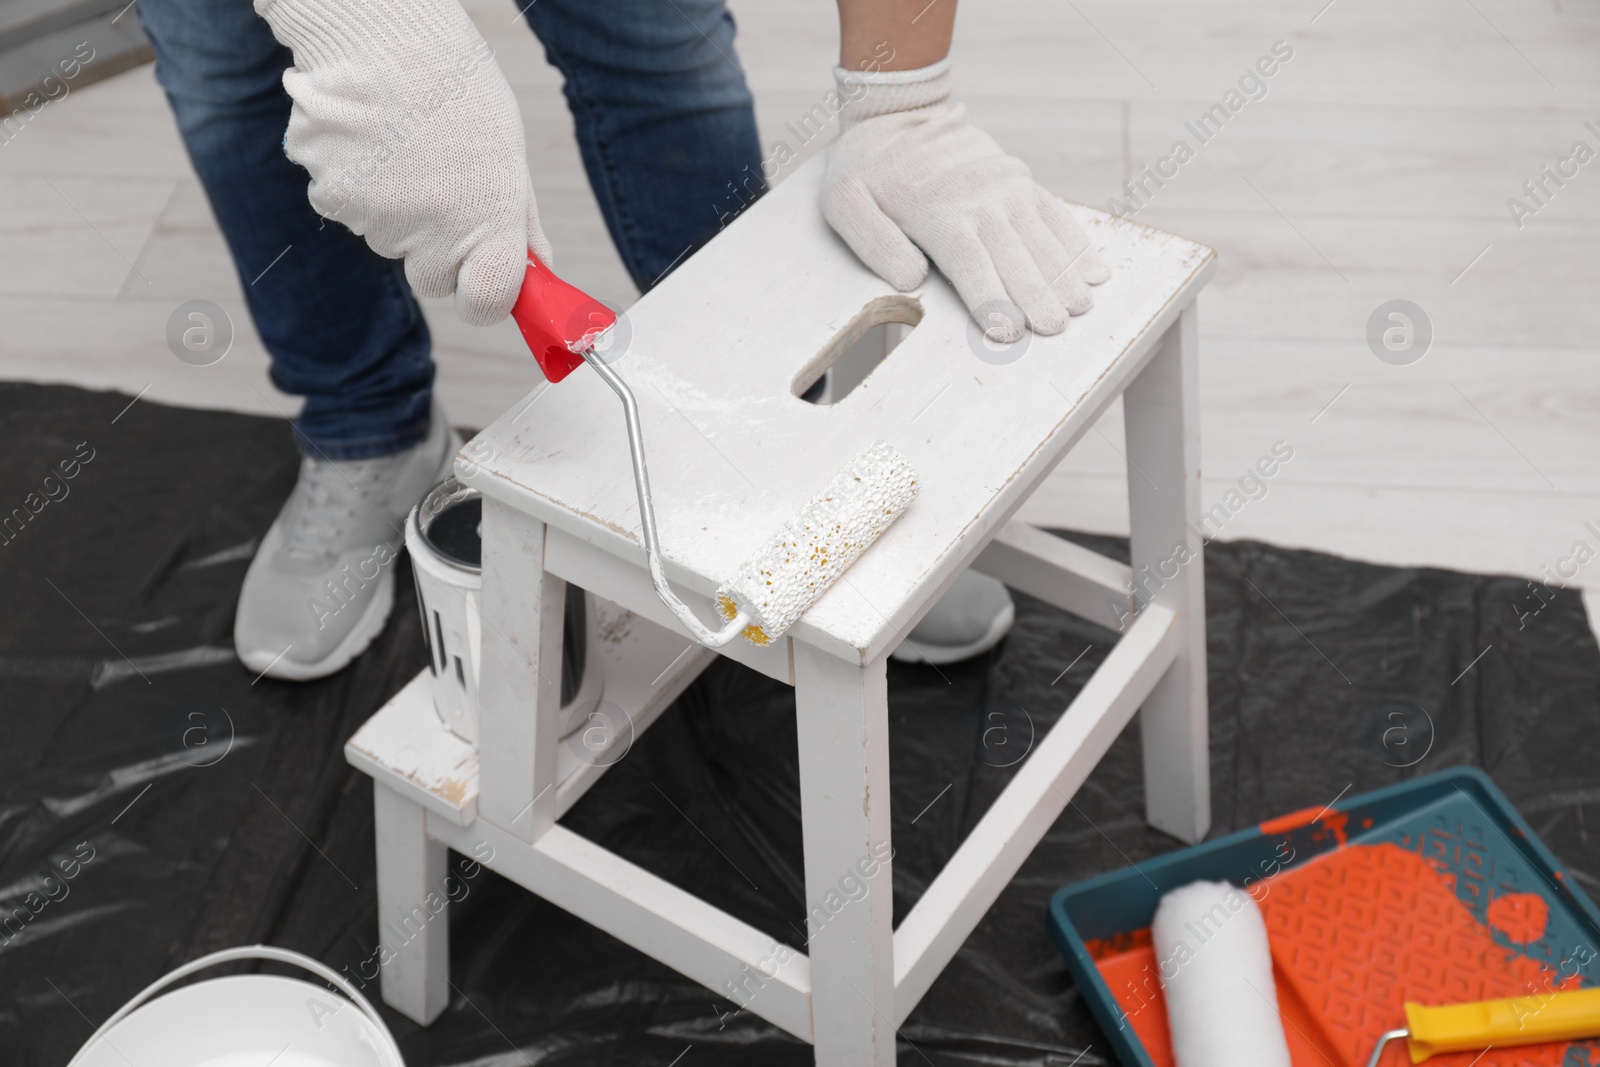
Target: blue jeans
[[664, 123]]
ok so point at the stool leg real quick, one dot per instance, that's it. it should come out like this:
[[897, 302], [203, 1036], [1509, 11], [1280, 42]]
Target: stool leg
[[413, 909], [843, 718], [1162, 413], [519, 717]]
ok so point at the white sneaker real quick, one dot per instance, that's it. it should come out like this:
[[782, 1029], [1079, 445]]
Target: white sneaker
[[322, 583], [969, 620]]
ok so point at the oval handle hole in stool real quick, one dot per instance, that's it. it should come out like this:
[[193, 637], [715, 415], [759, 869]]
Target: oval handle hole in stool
[[856, 350]]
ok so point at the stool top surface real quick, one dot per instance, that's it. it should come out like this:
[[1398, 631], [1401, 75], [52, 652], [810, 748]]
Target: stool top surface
[[716, 355]]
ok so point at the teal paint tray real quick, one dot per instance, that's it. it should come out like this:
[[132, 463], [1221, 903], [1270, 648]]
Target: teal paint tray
[[1435, 891]]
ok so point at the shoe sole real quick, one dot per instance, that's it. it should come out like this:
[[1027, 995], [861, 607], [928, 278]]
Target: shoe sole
[[366, 630], [939, 655]]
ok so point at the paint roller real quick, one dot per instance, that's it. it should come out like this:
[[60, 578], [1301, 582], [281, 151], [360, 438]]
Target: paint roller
[[566, 328], [1216, 977], [1222, 1004]]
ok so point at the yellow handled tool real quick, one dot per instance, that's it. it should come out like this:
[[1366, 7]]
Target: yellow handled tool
[[1530, 1020]]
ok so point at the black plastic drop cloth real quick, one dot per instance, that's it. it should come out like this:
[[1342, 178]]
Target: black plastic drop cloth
[[197, 807]]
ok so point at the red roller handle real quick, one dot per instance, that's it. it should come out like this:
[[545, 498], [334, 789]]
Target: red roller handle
[[559, 321]]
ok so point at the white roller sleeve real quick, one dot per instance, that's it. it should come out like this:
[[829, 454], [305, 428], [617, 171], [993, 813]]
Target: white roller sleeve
[[1216, 971], [779, 583]]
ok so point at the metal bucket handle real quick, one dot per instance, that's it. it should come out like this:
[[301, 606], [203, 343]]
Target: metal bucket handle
[[247, 952]]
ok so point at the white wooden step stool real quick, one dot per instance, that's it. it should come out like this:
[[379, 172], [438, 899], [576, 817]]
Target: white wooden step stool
[[717, 356]]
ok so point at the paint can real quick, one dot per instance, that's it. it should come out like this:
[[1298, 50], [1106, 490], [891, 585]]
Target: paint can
[[245, 1018], [445, 536]]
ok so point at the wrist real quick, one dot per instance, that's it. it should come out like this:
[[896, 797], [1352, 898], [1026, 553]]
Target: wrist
[[869, 94]]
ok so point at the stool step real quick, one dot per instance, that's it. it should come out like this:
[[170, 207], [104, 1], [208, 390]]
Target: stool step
[[406, 748]]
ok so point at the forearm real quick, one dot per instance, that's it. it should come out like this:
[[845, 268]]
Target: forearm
[[894, 34]]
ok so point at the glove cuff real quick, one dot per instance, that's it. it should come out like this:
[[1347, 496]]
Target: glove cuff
[[320, 32], [869, 94]]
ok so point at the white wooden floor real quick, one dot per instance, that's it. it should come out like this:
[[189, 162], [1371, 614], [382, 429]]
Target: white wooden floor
[[1377, 166]]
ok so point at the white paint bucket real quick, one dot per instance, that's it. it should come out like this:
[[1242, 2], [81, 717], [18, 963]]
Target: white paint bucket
[[444, 535], [245, 1019]]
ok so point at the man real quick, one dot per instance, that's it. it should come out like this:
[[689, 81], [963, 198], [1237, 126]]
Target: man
[[414, 143]]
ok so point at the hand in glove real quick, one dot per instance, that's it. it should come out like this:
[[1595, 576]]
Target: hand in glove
[[414, 140], [909, 174]]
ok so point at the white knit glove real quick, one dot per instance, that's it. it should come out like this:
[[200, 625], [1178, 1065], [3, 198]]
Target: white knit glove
[[413, 140], [909, 172]]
